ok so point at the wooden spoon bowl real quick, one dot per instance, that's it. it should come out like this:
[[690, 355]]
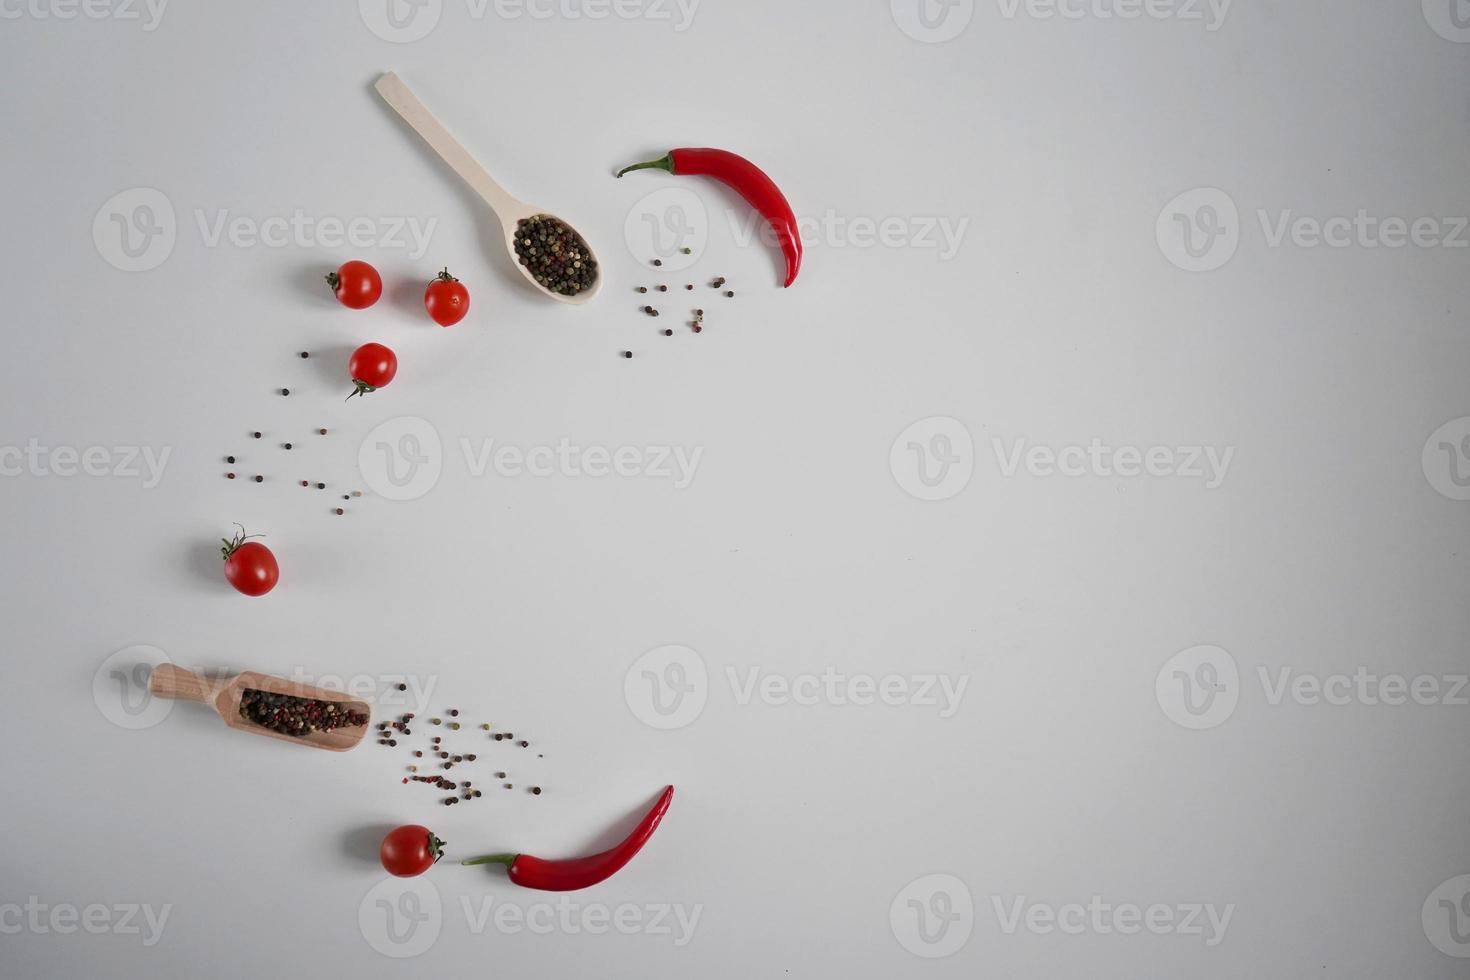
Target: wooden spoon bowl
[[170, 681], [509, 210]]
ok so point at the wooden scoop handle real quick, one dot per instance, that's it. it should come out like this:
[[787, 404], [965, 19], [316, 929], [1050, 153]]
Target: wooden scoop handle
[[417, 115], [176, 683]]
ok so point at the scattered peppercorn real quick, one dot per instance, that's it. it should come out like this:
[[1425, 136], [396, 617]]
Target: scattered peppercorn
[[471, 757], [321, 432], [285, 391], [454, 726], [524, 743], [536, 790], [259, 478], [643, 289], [689, 285], [658, 262], [663, 289], [321, 486], [229, 459], [454, 712], [255, 435], [687, 250], [627, 353], [229, 476], [698, 328], [340, 512], [288, 445], [668, 333]]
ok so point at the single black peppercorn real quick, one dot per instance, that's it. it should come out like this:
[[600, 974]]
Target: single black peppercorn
[[536, 790], [500, 775], [285, 391], [643, 289], [305, 354], [255, 435], [454, 712], [340, 512], [668, 333], [229, 476], [471, 757], [229, 459], [288, 445], [689, 285], [663, 289], [729, 293], [404, 687], [627, 353], [524, 743], [687, 250], [418, 754], [321, 432], [321, 486], [259, 478], [658, 262]]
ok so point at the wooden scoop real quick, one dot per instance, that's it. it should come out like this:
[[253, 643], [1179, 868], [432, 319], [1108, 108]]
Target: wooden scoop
[[169, 681], [508, 209]]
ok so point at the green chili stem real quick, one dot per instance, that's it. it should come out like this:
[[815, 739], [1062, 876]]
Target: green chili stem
[[505, 859], [663, 163]]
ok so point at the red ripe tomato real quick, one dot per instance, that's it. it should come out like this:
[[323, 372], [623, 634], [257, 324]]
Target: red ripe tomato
[[356, 284], [446, 299], [410, 850], [249, 565], [372, 366]]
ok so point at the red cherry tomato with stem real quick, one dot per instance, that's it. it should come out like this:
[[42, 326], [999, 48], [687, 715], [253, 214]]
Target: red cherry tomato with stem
[[446, 299], [410, 850], [372, 366], [356, 284], [249, 565]]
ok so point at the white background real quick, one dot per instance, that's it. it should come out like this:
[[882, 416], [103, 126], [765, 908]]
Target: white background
[[1062, 317]]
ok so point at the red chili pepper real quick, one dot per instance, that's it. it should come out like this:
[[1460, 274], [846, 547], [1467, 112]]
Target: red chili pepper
[[749, 181], [584, 872]]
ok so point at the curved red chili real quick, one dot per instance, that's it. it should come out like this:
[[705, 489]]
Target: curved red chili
[[749, 181], [583, 872]]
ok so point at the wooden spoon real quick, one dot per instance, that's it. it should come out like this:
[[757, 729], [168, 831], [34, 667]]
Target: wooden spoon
[[169, 681], [508, 209]]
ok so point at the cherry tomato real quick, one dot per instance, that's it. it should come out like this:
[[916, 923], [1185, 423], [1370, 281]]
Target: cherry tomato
[[372, 366], [249, 565], [410, 850], [356, 284], [446, 299]]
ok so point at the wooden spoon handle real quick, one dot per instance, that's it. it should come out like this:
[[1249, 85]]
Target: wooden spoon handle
[[417, 115], [169, 681]]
